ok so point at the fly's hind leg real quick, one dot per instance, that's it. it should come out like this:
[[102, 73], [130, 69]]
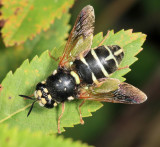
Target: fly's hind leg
[[63, 108], [81, 120], [123, 67], [101, 43]]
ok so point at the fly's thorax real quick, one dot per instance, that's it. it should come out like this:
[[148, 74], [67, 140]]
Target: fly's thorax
[[43, 97], [63, 85]]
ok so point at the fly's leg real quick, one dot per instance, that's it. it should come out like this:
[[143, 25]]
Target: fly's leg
[[123, 67], [104, 38], [63, 108], [55, 59], [81, 120]]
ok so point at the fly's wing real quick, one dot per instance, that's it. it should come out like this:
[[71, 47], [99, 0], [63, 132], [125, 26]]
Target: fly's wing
[[81, 36], [112, 90]]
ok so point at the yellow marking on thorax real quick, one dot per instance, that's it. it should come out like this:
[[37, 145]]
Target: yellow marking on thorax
[[76, 77], [54, 72], [45, 90], [55, 104], [43, 82], [111, 56], [49, 97], [100, 64], [118, 52], [70, 98]]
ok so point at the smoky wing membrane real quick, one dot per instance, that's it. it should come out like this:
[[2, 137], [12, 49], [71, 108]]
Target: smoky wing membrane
[[84, 25], [125, 93], [83, 29]]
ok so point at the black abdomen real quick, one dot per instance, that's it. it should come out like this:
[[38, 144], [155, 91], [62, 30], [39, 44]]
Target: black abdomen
[[98, 63]]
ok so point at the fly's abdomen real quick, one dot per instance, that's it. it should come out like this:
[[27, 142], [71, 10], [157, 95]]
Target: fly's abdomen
[[98, 63]]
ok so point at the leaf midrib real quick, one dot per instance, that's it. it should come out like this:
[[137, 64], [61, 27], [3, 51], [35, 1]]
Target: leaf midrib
[[14, 113]]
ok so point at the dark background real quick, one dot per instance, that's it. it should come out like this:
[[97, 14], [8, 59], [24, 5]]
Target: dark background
[[118, 125]]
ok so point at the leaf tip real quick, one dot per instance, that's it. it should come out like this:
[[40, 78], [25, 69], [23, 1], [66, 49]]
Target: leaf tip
[[139, 51], [144, 36]]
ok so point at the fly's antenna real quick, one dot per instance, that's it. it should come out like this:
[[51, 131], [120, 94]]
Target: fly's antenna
[[31, 108], [27, 97]]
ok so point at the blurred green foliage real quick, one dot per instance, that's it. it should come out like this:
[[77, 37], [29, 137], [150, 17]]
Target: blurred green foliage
[[25, 19], [12, 137]]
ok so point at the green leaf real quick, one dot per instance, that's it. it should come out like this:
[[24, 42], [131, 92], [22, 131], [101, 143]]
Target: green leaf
[[13, 109], [24, 19], [14, 137], [12, 57]]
